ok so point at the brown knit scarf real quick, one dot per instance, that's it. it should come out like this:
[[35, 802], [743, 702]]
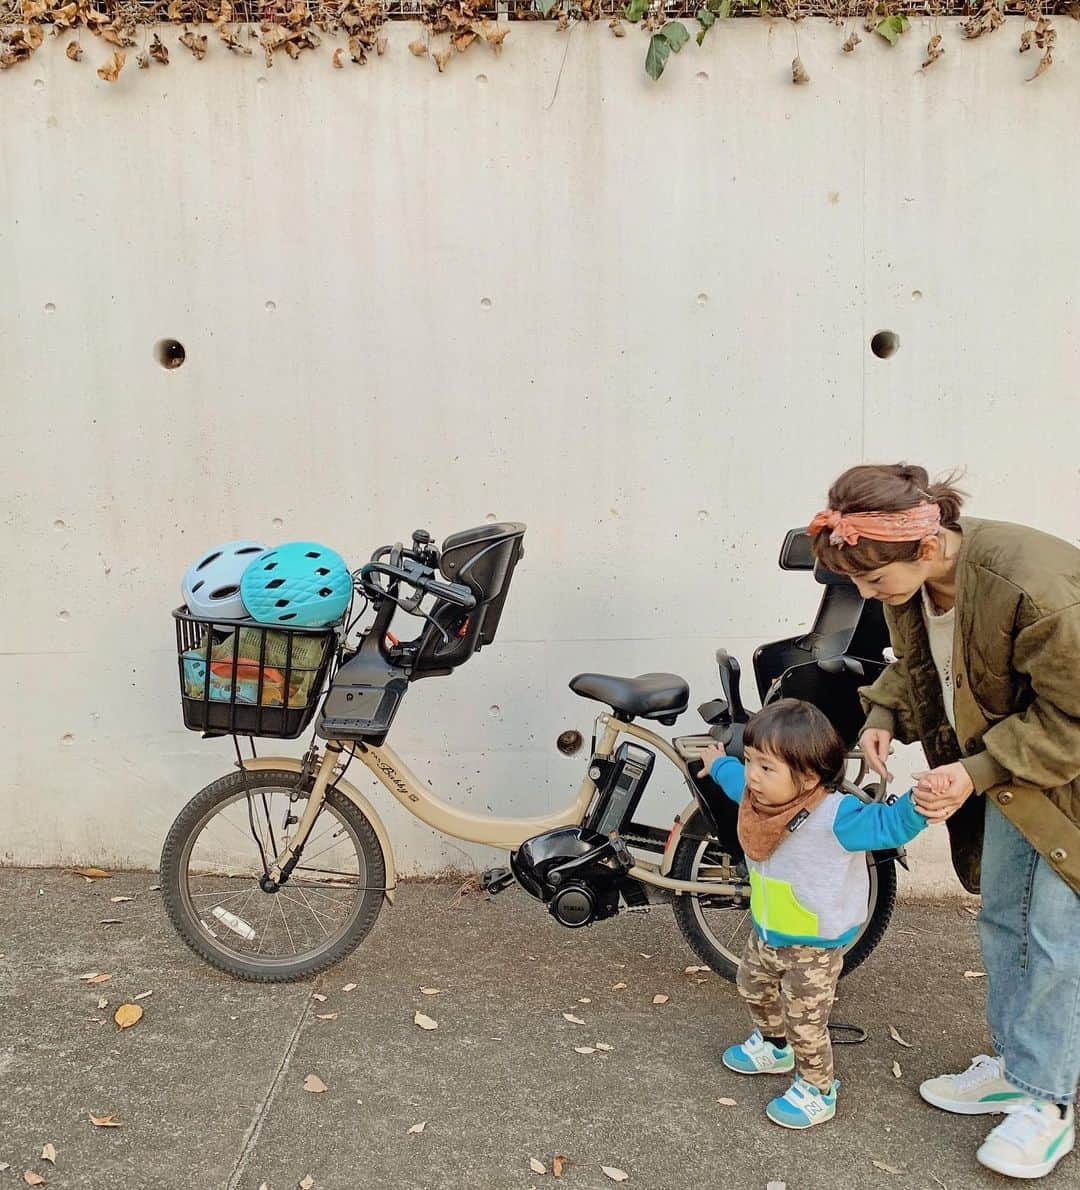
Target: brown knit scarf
[[762, 826]]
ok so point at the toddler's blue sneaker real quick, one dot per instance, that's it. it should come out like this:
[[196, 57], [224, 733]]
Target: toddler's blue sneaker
[[803, 1105], [758, 1056]]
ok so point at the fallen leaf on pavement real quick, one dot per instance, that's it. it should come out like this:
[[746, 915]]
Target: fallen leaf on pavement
[[430, 991], [660, 998], [48, 1153], [326, 1016], [348, 987], [318, 996], [307, 1183], [537, 1166], [416, 1129], [644, 956], [897, 1038], [104, 1122], [896, 1071], [558, 1165], [885, 1168], [127, 1015], [616, 1175], [425, 1022], [120, 900], [142, 996], [574, 1020], [618, 987], [33, 1179], [584, 1049], [974, 974], [602, 1045], [102, 1003], [92, 873], [314, 1084], [694, 970], [584, 1000], [726, 1101]]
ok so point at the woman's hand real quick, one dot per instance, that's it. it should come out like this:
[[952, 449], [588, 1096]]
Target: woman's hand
[[711, 754], [875, 743], [942, 791]]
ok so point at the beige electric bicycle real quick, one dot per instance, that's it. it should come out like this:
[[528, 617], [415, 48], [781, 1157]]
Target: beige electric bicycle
[[277, 870]]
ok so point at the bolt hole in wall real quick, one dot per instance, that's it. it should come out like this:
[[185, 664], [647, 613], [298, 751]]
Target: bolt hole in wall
[[169, 353], [885, 344]]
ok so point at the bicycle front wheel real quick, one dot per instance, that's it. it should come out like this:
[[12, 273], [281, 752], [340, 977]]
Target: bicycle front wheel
[[213, 860]]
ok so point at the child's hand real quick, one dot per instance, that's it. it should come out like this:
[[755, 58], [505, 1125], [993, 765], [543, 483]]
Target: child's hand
[[712, 753]]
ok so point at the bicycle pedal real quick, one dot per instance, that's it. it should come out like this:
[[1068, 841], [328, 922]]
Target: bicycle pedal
[[494, 880]]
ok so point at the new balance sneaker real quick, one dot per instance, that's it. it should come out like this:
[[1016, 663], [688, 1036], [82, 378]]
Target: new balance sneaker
[[758, 1056], [1030, 1141], [980, 1090], [803, 1105]]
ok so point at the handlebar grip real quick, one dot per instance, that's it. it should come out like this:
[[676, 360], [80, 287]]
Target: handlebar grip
[[452, 593]]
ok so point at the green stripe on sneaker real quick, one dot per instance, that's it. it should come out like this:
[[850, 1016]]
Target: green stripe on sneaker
[[1054, 1147], [997, 1095]]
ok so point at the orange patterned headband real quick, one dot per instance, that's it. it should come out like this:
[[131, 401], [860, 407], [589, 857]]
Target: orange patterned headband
[[911, 524]]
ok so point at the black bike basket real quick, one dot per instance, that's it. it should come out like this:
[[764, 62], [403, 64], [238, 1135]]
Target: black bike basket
[[238, 677]]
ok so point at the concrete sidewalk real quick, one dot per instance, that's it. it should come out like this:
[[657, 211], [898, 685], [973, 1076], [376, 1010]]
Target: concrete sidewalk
[[209, 1085]]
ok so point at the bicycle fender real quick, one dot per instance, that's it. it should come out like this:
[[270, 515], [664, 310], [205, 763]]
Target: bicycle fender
[[291, 765]]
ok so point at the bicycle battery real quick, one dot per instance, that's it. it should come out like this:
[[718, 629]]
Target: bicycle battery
[[619, 785]]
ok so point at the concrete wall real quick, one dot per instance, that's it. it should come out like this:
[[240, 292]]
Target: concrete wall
[[636, 317]]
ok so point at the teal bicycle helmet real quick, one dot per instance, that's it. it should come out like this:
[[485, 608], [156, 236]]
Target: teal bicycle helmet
[[299, 585]]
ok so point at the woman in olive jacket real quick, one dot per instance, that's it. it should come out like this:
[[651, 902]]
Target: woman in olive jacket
[[984, 620]]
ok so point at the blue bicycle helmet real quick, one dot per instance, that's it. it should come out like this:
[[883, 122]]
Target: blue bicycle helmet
[[301, 585]]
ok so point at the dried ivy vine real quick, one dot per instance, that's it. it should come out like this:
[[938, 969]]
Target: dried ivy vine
[[452, 27]]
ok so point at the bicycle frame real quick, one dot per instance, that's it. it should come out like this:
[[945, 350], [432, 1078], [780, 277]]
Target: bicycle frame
[[504, 833]]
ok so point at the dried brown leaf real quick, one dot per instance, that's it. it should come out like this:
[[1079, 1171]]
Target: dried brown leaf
[[441, 57], [416, 1129], [537, 1166], [798, 71], [617, 27], [425, 1022], [307, 1183], [381, 42], [584, 1049], [336, 61], [91, 873], [314, 1084], [33, 1179], [559, 1165], [933, 50], [1045, 62], [175, 9], [117, 34], [660, 998], [104, 1122], [159, 51], [74, 51], [430, 991], [616, 1175], [48, 1153], [852, 41], [895, 1035], [418, 48], [726, 1101], [196, 42], [318, 996], [896, 1071], [574, 1020], [974, 974], [326, 1016], [127, 1015], [618, 987]]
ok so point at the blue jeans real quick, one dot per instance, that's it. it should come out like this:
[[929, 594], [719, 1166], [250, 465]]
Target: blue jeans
[[1029, 927]]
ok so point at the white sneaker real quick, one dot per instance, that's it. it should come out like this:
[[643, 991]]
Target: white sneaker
[[757, 1056], [979, 1090], [1030, 1141]]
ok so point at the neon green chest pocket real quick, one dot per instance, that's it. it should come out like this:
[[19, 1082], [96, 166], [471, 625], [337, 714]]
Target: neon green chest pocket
[[774, 906]]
